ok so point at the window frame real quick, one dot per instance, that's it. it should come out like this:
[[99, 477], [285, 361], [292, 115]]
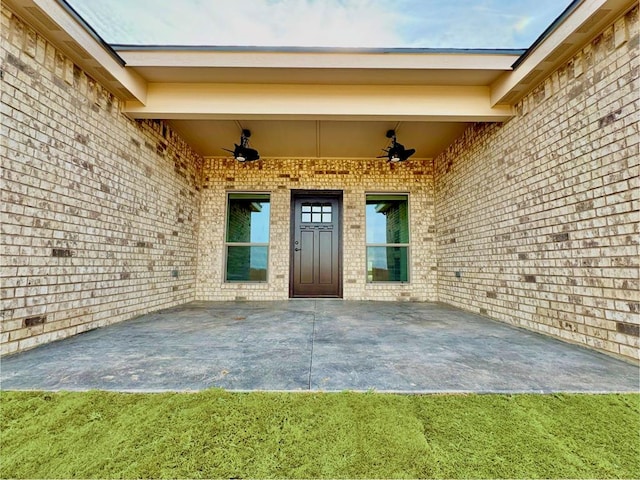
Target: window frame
[[406, 245], [228, 244]]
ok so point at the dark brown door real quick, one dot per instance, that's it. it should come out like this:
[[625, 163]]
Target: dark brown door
[[316, 245]]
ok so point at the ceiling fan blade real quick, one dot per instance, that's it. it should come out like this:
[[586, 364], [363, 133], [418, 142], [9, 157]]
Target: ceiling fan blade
[[251, 154], [408, 153], [227, 150]]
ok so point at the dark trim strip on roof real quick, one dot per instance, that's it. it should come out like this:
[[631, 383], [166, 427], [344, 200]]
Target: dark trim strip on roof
[[549, 30], [89, 29], [249, 49]]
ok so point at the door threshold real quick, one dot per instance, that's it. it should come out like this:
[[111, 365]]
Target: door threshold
[[315, 298]]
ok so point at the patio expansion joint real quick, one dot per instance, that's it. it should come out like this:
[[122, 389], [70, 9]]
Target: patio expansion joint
[[313, 336]]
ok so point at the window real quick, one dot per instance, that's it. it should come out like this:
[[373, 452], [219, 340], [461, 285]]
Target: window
[[387, 238], [247, 240]]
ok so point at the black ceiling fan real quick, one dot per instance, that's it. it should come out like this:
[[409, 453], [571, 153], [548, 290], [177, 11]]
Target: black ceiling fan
[[396, 151], [242, 152]]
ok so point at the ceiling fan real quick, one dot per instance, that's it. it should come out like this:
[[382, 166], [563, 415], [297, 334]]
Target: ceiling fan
[[396, 151], [242, 152]]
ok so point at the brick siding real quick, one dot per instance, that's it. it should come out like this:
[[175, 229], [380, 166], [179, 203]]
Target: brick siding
[[99, 212], [539, 216]]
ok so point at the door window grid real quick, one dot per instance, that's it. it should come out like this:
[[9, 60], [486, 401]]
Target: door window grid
[[316, 213]]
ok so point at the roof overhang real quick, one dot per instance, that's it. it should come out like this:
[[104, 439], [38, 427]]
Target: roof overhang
[[128, 70], [58, 23], [318, 102], [582, 21], [316, 89], [399, 66]]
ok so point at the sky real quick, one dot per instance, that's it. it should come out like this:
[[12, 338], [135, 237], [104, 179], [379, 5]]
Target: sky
[[495, 24]]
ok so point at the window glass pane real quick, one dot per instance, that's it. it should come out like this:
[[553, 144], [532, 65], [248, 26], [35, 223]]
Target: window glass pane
[[306, 218], [326, 209], [316, 217], [387, 219], [316, 208], [387, 264], [248, 218], [326, 218], [306, 208], [246, 264]]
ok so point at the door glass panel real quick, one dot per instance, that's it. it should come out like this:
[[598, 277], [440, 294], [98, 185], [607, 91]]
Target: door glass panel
[[387, 264], [316, 213]]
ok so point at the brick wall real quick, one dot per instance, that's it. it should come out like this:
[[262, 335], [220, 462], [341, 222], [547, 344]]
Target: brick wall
[[355, 178], [99, 212], [540, 215]]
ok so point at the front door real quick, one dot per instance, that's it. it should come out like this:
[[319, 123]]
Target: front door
[[316, 245]]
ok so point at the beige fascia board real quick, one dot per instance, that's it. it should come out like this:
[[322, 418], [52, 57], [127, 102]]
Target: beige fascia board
[[320, 60], [339, 102], [82, 48], [580, 27]]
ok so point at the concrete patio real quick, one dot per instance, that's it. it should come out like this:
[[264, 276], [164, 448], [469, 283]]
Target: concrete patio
[[328, 345]]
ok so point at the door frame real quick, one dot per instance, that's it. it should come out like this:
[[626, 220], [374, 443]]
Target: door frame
[[301, 194]]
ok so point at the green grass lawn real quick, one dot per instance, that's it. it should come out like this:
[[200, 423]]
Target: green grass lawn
[[309, 435]]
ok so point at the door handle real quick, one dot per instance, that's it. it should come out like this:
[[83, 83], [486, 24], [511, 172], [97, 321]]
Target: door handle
[[297, 249]]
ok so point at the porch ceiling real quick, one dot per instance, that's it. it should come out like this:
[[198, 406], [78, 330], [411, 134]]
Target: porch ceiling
[[317, 139]]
